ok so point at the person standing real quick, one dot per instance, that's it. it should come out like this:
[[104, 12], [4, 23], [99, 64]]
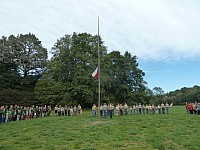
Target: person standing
[[190, 108], [167, 108], [68, 109], [163, 108], [110, 110], [71, 111], [65, 110], [62, 111], [94, 110], [56, 109], [75, 110], [131, 110], [117, 110], [147, 109], [105, 110], [143, 109], [134, 109], [1, 114], [101, 110], [79, 109], [159, 111], [186, 107], [121, 109], [126, 109], [59, 110], [140, 108]]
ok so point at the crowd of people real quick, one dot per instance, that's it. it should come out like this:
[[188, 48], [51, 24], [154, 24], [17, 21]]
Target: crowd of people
[[17, 113], [193, 108], [119, 109], [68, 110]]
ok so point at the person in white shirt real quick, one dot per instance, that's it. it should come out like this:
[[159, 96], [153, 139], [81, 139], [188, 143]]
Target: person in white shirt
[[94, 110]]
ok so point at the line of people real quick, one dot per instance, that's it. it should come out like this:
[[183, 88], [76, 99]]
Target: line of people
[[193, 108], [68, 110], [17, 113], [119, 109]]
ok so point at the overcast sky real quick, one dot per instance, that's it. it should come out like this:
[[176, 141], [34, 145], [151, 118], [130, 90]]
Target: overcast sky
[[163, 34]]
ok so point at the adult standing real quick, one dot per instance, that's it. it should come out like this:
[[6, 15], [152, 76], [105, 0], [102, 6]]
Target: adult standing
[[79, 109], [94, 110], [163, 108], [101, 110], [56, 109], [105, 110], [167, 108], [126, 109], [140, 108]]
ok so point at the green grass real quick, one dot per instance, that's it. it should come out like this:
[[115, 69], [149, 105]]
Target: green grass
[[176, 130]]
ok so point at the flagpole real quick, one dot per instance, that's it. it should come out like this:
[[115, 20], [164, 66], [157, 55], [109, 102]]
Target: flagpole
[[99, 74]]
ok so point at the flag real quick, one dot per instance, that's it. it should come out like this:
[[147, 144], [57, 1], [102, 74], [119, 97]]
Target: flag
[[95, 74]]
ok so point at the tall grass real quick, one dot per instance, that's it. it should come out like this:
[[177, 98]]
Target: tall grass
[[177, 130]]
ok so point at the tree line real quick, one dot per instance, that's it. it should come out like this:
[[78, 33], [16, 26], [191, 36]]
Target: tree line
[[28, 77]]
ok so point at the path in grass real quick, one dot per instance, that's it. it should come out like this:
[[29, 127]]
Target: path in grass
[[176, 130]]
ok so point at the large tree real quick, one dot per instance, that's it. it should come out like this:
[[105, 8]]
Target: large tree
[[74, 59], [25, 52], [22, 60], [125, 77]]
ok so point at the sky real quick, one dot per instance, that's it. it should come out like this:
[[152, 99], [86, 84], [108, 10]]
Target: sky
[[163, 34]]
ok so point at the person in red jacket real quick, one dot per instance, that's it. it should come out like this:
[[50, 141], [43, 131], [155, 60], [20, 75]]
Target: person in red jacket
[[190, 108]]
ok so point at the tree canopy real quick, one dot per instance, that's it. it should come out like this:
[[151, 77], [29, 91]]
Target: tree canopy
[[22, 61], [74, 59], [27, 77]]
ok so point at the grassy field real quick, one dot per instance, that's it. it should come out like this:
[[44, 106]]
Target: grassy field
[[176, 130]]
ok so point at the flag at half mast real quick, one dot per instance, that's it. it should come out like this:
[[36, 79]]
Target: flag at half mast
[[95, 74]]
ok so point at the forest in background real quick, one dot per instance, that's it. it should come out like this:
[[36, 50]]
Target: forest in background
[[27, 76]]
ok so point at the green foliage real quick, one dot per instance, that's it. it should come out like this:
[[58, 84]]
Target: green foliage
[[25, 52], [185, 95], [22, 60], [13, 96], [74, 59]]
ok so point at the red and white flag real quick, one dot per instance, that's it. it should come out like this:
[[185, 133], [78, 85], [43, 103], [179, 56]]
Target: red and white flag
[[95, 74]]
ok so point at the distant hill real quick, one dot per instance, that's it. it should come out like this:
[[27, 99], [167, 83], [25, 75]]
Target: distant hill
[[185, 94]]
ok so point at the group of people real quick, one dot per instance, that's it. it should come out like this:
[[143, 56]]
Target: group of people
[[193, 108], [119, 109], [68, 110], [17, 113]]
